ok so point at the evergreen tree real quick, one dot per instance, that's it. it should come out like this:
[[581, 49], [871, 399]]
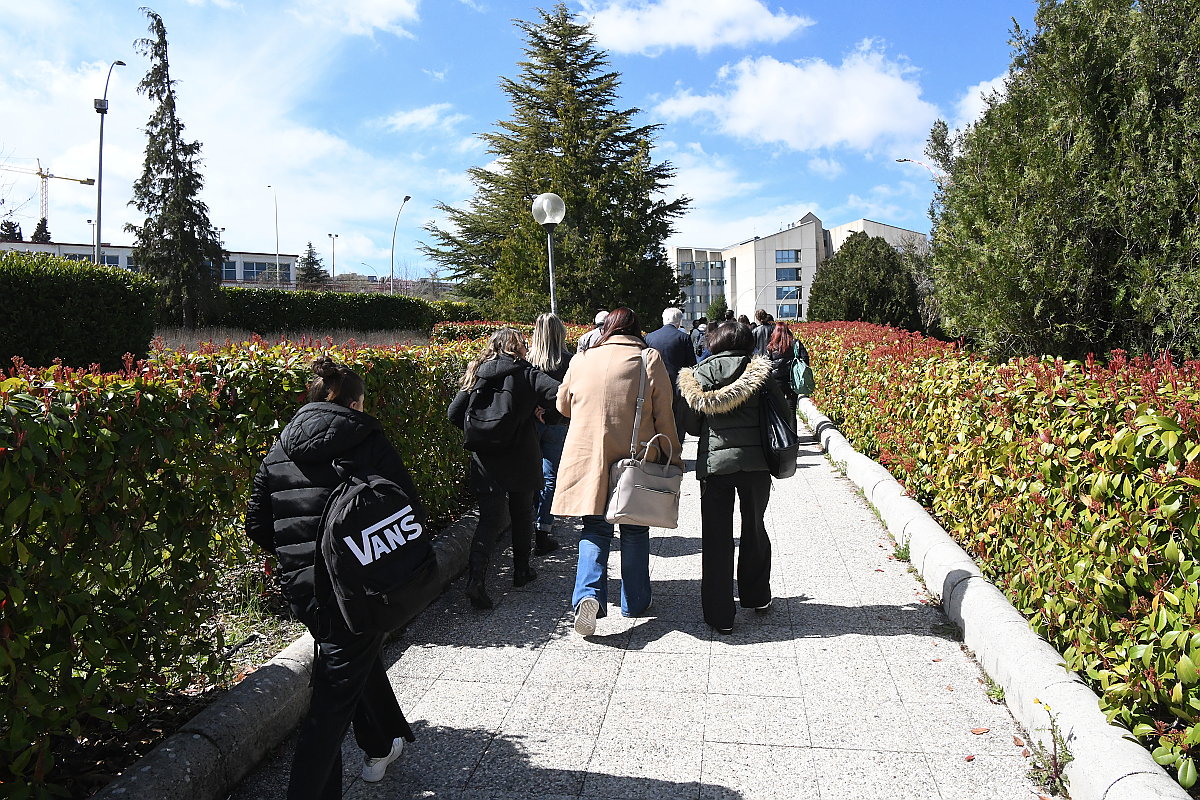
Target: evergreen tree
[[1069, 218], [10, 232], [177, 245], [865, 280], [310, 270], [717, 308], [41, 233], [565, 136]]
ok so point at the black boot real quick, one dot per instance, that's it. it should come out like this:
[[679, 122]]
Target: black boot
[[545, 543], [475, 589], [523, 575]]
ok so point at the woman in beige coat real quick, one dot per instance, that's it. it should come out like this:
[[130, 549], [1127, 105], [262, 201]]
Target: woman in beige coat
[[599, 395]]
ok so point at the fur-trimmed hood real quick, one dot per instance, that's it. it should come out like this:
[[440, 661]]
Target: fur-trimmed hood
[[729, 385]]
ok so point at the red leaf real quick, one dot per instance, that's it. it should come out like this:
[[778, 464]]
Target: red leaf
[[980, 731], [1018, 741], [936, 660], [968, 758], [1026, 754]]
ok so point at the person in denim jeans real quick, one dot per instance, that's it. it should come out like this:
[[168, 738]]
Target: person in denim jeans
[[599, 395], [548, 352]]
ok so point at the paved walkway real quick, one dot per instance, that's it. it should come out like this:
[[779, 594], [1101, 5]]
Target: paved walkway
[[850, 687]]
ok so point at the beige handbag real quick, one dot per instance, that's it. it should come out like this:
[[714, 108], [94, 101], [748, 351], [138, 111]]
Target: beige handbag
[[642, 492]]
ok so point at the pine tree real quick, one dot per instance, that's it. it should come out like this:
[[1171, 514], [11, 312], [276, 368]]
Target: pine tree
[[565, 136], [310, 270], [177, 245], [865, 280], [41, 233], [10, 232]]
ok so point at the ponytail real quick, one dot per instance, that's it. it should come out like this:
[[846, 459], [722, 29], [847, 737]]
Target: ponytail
[[334, 383]]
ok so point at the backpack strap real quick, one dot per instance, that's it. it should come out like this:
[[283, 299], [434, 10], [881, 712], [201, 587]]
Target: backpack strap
[[641, 399]]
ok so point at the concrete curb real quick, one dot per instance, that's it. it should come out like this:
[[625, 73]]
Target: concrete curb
[[218, 747], [1106, 765]]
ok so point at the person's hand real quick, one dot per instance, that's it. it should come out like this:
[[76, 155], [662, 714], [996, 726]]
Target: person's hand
[[540, 413]]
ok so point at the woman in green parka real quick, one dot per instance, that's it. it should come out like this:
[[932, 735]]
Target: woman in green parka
[[722, 396]]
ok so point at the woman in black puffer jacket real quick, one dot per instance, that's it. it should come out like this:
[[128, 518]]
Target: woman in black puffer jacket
[[286, 504], [782, 352]]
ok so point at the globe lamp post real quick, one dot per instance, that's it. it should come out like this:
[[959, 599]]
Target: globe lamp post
[[549, 210]]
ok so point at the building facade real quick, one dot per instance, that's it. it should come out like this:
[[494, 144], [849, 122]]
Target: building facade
[[772, 272]]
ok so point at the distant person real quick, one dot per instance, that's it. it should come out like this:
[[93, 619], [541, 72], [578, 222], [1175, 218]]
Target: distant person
[[589, 338], [505, 475], [287, 501], [699, 324], [599, 395], [781, 350], [762, 334], [675, 347], [729, 315], [548, 352], [722, 397], [742, 318]]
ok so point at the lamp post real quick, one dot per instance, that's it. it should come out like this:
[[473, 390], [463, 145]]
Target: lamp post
[[101, 106], [92, 222], [549, 210], [392, 269], [935, 176], [275, 195], [333, 263]]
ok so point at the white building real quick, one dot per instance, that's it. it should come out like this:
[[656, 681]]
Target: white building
[[241, 268], [772, 272]]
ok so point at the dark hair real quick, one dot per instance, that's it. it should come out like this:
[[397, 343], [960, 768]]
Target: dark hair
[[335, 383], [620, 322], [729, 336], [781, 339], [742, 318], [729, 315], [761, 315]]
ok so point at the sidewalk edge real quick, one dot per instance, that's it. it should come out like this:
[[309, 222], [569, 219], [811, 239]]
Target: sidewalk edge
[[216, 749], [1108, 764]]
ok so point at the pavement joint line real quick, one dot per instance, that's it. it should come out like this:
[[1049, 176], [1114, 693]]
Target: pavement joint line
[[1103, 756]]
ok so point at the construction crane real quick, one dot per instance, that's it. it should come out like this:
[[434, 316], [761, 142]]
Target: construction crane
[[45, 176]]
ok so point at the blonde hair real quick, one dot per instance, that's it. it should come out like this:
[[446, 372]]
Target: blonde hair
[[505, 341], [546, 345]]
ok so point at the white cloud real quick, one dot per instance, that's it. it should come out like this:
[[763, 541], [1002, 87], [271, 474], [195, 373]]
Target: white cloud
[[644, 26], [438, 75], [972, 104], [829, 168], [360, 17], [426, 118], [868, 102]]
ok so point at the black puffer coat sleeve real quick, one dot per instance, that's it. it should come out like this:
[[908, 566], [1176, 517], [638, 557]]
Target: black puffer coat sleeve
[[458, 409], [260, 521], [391, 466]]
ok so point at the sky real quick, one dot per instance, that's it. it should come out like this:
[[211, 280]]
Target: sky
[[768, 110]]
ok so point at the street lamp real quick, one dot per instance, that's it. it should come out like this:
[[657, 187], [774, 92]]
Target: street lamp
[[101, 106], [333, 264], [92, 222], [549, 210], [935, 176], [392, 269], [275, 194]]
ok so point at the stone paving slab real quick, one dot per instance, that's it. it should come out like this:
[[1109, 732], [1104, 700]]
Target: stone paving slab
[[850, 686]]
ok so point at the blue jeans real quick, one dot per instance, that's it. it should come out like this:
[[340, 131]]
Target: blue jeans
[[591, 576], [552, 438]]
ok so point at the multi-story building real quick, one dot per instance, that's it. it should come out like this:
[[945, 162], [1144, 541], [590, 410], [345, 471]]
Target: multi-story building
[[240, 269], [772, 272]]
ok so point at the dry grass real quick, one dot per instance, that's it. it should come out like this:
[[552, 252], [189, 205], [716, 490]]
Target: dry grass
[[185, 339]]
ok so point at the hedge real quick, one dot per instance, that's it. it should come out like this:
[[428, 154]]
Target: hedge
[[273, 310], [122, 495], [1075, 485], [55, 308], [470, 330]]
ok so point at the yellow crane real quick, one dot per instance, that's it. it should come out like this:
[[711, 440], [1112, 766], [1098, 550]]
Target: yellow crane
[[45, 175]]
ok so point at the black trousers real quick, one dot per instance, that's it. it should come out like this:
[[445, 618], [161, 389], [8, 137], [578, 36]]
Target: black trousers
[[499, 507], [349, 684], [753, 490]]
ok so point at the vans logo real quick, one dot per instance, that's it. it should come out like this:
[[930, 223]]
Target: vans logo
[[385, 536]]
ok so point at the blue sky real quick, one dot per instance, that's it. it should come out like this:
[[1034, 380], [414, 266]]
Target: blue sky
[[768, 109]]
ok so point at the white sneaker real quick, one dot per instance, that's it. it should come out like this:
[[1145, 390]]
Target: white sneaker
[[585, 616], [374, 768]]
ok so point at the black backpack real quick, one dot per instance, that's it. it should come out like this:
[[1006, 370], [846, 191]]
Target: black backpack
[[492, 418], [374, 557]]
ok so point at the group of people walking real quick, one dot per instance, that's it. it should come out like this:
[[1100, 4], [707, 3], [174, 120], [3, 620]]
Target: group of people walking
[[544, 426]]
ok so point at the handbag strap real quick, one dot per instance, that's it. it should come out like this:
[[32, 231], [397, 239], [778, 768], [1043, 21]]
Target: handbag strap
[[641, 398]]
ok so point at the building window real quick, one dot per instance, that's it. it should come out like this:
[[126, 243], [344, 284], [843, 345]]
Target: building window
[[787, 274], [77, 257], [786, 256], [788, 311], [229, 271], [253, 270], [110, 261], [130, 264], [787, 293], [285, 272]]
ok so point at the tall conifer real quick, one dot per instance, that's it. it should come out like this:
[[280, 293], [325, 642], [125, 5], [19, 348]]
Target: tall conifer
[[566, 136], [41, 233], [176, 244]]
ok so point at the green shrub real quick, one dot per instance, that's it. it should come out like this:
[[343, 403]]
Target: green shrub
[[73, 311], [271, 310], [455, 310], [1075, 485], [118, 494], [471, 330]]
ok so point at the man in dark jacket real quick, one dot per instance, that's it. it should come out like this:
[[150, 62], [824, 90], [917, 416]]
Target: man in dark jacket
[[284, 516], [677, 352], [762, 334]]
